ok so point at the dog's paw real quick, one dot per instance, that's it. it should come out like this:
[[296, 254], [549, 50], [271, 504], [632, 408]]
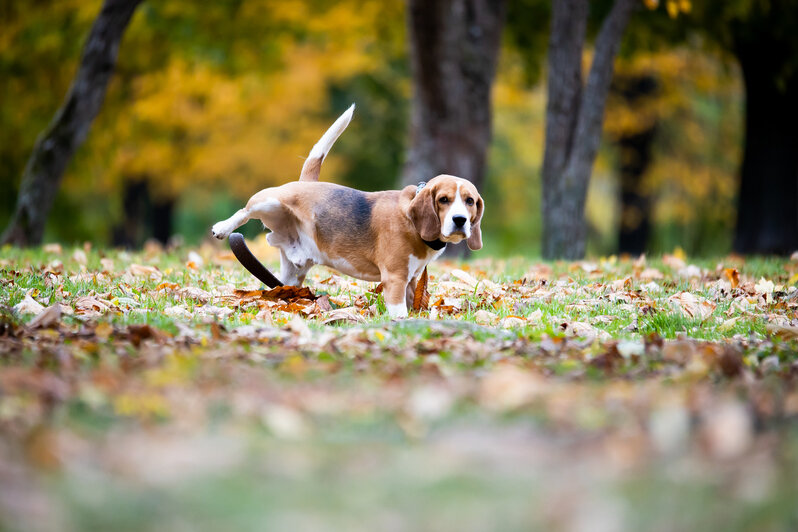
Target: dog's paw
[[220, 231], [397, 311]]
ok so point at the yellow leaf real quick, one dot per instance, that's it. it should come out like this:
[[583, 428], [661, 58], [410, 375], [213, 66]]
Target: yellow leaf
[[673, 8], [733, 276]]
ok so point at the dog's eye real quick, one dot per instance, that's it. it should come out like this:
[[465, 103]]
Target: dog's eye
[[469, 201], [444, 200]]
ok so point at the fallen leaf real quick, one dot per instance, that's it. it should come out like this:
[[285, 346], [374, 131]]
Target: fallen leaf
[[29, 306], [421, 296], [177, 312], [512, 322], [692, 306], [733, 275], [784, 332], [727, 325], [52, 248], [46, 318], [141, 270], [484, 317], [103, 331], [343, 314], [466, 278], [79, 256]]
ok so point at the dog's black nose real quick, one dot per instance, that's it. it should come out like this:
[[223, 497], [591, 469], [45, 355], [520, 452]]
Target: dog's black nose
[[459, 221]]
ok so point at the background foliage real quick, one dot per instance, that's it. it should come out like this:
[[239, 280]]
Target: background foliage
[[214, 101]]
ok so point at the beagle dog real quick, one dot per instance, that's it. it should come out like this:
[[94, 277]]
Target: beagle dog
[[387, 236]]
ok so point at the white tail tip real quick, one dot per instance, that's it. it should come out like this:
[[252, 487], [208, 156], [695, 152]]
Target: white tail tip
[[312, 166]]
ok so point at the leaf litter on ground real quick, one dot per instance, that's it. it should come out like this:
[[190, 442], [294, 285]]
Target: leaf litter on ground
[[639, 364]]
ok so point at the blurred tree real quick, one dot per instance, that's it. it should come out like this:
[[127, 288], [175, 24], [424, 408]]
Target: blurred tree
[[215, 101], [690, 181], [635, 156], [762, 36], [68, 129], [574, 116], [454, 46]]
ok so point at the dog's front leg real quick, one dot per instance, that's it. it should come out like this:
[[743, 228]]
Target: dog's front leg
[[410, 293], [395, 290]]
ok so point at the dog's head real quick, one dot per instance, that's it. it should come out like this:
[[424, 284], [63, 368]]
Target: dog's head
[[450, 209]]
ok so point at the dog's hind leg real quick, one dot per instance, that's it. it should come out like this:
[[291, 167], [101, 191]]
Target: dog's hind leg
[[265, 208], [290, 273], [222, 230]]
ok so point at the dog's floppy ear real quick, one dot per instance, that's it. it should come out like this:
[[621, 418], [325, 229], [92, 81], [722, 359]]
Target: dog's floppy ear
[[424, 216], [475, 240]]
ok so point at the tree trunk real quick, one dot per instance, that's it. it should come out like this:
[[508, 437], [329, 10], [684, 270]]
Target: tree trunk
[[767, 212], [574, 117], [144, 216], [454, 46], [68, 129], [635, 158]]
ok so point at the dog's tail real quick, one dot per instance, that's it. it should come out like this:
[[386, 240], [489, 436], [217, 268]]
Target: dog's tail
[[312, 166]]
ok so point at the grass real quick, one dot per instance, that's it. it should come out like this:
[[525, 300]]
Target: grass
[[259, 420]]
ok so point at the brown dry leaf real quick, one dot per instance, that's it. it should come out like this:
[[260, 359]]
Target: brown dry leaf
[[137, 333], [343, 314], [47, 318], [144, 271], [421, 296], [675, 261], [246, 294], [511, 322], [323, 303], [733, 275], [378, 289], [288, 293], [466, 278], [52, 248], [103, 331], [692, 306], [29, 306], [484, 317], [197, 294], [784, 332], [88, 304]]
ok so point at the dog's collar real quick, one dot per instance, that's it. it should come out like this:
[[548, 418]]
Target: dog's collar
[[436, 244]]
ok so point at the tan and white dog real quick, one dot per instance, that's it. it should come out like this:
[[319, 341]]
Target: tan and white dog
[[387, 236]]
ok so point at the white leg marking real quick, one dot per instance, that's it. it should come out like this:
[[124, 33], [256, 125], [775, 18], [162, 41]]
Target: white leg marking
[[290, 272], [458, 208], [267, 206], [397, 311], [222, 230]]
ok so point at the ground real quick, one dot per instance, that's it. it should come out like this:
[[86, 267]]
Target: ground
[[161, 390]]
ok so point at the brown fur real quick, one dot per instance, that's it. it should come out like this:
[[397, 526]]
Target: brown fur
[[311, 169], [369, 235]]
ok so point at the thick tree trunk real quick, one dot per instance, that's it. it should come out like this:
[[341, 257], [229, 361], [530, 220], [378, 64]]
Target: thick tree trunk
[[454, 46], [767, 212], [574, 117], [56, 145]]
